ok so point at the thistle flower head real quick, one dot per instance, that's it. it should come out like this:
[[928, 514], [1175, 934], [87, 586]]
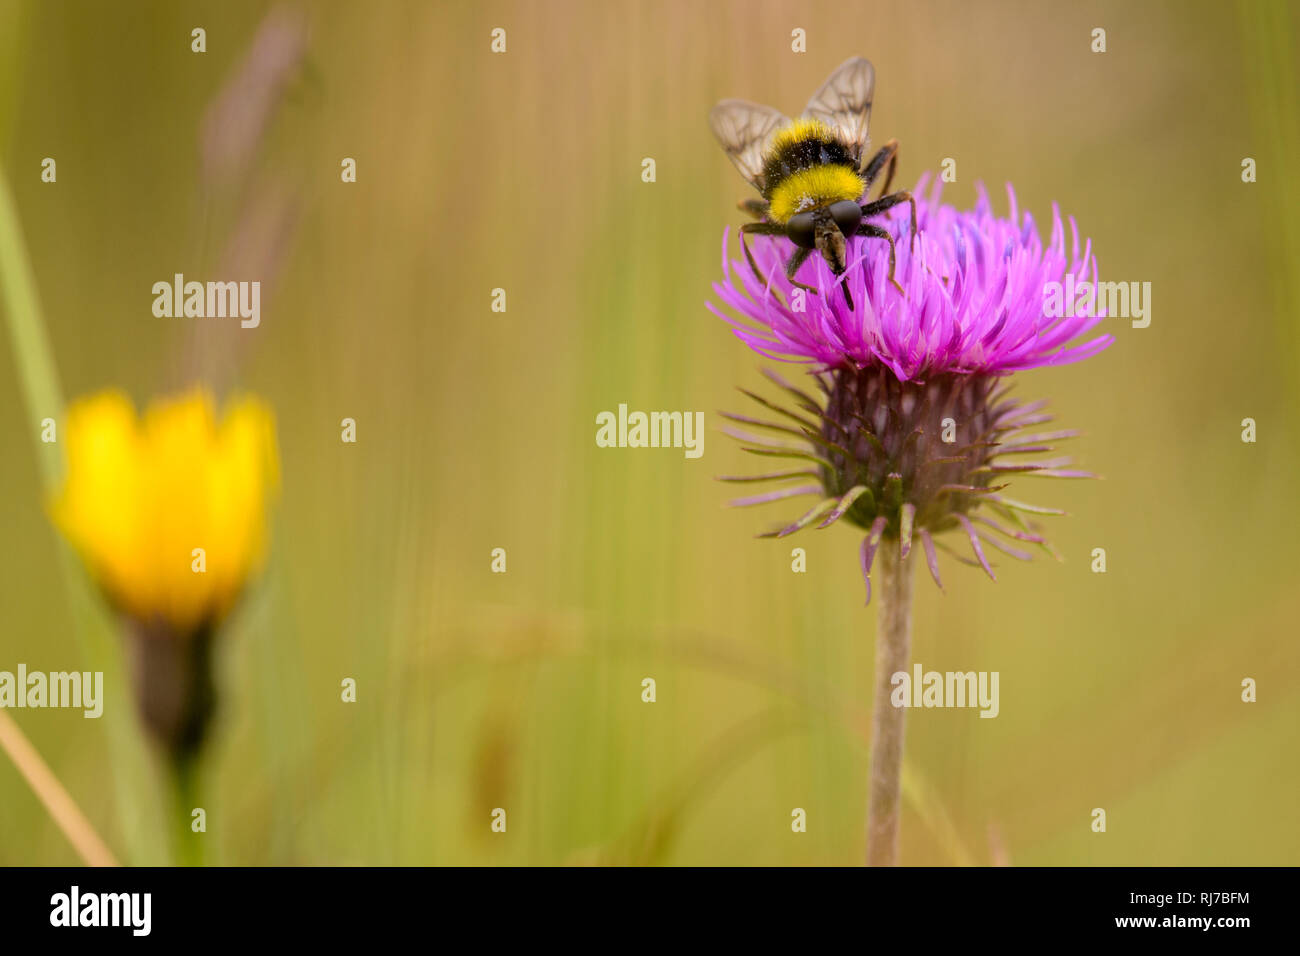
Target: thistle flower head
[[972, 301], [909, 430]]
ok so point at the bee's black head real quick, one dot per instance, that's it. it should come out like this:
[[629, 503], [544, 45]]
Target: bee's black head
[[804, 227], [827, 230], [847, 215]]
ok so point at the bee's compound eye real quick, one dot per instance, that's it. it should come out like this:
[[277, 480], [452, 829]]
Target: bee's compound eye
[[801, 231], [847, 215]]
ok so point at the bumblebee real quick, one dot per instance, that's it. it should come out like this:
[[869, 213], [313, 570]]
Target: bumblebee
[[810, 171]]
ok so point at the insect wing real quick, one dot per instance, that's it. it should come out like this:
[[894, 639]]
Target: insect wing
[[844, 103], [743, 129]]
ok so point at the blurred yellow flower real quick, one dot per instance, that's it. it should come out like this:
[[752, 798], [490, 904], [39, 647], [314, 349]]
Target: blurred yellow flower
[[143, 494]]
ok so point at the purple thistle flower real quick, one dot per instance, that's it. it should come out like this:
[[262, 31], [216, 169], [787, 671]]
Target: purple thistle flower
[[972, 302], [912, 427]]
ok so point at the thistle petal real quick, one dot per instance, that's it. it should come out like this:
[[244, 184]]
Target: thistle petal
[[789, 453], [780, 410], [975, 545], [845, 503], [1005, 548], [1021, 506], [770, 476], [1061, 473], [931, 559], [775, 496], [773, 376], [813, 513], [1009, 532], [906, 515], [971, 489], [868, 554]]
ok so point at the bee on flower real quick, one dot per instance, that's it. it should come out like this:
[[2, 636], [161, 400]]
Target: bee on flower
[[907, 429]]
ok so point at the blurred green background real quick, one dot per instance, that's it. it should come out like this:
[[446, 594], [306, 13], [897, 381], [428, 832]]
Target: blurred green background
[[476, 431]]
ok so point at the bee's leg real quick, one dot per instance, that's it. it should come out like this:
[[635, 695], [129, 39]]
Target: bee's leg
[[798, 258], [758, 229], [755, 207], [887, 153], [844, 286], [848, 299], [889, 202], [876, 232]]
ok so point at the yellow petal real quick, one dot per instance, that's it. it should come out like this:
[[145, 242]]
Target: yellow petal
[[141, 495]]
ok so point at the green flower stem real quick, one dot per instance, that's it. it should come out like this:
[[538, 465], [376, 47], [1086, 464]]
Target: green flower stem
[[37, 373], [893, 654], [185, 787], [43, 398]]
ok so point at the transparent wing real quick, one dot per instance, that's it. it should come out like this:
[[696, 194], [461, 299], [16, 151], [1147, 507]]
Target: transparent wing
[[844, 103], [743, 129]]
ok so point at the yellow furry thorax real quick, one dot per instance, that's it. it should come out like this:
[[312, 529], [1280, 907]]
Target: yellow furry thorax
[[811, 188]]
